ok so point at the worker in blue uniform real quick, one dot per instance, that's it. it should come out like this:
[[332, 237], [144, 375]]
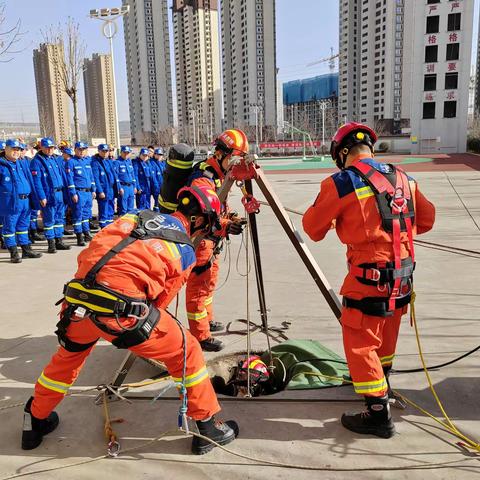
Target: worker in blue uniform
[[16, 190], [48, 182], [126, 176], [106, 184], [79, 173], [157, 165], [143, 175]]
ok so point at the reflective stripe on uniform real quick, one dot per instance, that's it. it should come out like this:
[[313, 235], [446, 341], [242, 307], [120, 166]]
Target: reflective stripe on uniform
[[208, 301], [370, 387], [387, 360], [364, 192], [76, 224], [22, 233], [59, 225], [169, 205], [173, 249], [83, 221], [193, 379], [54, 385], [197, 315], [8, 235], [130, 217], [48, 228]]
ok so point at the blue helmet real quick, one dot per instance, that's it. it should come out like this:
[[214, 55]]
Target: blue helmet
[[158, 151], [144, 151], [103, 147], [125, 148], [69, 151], [81, 145], [23, 146], [13, 143], [47, 142], [2, 144]]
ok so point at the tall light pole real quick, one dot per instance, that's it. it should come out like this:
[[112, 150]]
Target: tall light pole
[[193, 114], [255, 107], [323, 106], [109, 17]]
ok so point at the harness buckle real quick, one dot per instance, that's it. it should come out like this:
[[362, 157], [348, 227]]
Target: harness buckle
[[145, 311], [375, 274]]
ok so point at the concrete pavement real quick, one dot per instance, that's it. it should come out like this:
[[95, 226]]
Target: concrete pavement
[[300, 428]]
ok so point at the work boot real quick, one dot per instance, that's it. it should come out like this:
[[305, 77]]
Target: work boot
[[35, 236], [87, 236], [216, 326], [376, 420], [211, 345], [60, 245], [93, 226], [51, 246], [27, 252], [67, 232], [220, 432], [80, 241], [393, 399], [35, 428], [14, 255]]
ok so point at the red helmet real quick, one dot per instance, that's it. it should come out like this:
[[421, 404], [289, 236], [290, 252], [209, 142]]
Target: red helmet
[[208, 202], [349, 135], [233, 142]]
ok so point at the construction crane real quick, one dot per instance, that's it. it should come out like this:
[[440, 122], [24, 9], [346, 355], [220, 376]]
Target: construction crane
[[330, 60]]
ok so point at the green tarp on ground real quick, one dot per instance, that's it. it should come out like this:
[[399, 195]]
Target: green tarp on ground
[[306, 364]]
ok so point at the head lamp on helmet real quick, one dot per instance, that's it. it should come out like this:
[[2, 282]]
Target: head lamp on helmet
[[347, 137], [200, 201]]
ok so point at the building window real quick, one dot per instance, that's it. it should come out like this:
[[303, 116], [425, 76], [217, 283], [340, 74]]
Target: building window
[[454, 21], [450, 109], [429, 110], [451, 81], [430, 82], [431, 53], [453, 51], [433, 24]]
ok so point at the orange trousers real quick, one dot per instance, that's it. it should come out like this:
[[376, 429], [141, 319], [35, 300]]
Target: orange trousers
[[370, 344], [199, 292], [165, 344]]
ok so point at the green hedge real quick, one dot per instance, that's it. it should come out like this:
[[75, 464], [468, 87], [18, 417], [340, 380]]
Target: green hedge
[[473, 144]]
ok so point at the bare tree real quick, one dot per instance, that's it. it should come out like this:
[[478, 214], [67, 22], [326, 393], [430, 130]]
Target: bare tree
[[10, 37], [70, 64]]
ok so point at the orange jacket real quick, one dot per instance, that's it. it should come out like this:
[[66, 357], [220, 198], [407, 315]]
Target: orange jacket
[[347, 203], [151, 269]]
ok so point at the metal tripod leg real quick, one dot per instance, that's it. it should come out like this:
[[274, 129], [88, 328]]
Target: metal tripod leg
[[118, 377], [257, 261], [299, 244]]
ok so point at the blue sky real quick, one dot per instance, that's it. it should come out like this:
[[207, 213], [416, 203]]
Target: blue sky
[[306, 29]]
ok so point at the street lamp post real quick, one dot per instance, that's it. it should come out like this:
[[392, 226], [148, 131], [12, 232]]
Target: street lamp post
[[109, 17], [193, 114], [255, 107]]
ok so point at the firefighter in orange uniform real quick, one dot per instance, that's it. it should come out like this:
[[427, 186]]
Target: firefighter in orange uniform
[[376, 210], [201, 284], [125, 280]]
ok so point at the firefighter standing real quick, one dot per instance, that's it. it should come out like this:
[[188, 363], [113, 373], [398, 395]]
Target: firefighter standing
[[48, 181], [376, 210], [201, 284], [126, 176], [144, 179], [152, 260]]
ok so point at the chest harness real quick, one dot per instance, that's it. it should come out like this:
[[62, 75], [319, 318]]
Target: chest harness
[[87, 298], [395, 205]]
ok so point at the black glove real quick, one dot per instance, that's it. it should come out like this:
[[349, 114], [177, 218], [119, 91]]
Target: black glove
[[236, 226]]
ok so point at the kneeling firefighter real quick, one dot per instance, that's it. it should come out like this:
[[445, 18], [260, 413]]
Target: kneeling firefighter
[[126, 278], [376, 210], [230, 145]]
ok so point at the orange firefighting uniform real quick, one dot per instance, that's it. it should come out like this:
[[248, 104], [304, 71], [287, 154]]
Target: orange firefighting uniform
[[152, 267], [348, 204], [201, 286]]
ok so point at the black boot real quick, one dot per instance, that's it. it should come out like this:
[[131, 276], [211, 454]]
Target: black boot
[[212, 345], [51, 246], [14, 255], [35, 428], [35, 236], [87, 236], [80, 241], [27, 252], [59, 245], [220, 432], [376, 420], [216, 326], [393, 400], [67, 232]]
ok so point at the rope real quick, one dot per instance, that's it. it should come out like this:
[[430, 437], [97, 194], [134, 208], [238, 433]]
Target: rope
[[113, 447]]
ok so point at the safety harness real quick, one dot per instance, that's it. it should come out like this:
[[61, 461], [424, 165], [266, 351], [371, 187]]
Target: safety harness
[[395, 205], [87, 298]]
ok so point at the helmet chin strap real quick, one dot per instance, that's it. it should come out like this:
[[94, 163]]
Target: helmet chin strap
[[341, 160]]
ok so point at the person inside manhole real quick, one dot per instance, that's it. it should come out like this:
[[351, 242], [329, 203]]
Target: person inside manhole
[[376, 210], [126, 278]]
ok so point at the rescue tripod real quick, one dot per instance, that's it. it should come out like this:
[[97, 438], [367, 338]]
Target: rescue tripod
[[242, 174]]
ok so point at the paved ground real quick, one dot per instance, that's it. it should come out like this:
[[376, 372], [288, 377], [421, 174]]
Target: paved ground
[[303, 432]]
